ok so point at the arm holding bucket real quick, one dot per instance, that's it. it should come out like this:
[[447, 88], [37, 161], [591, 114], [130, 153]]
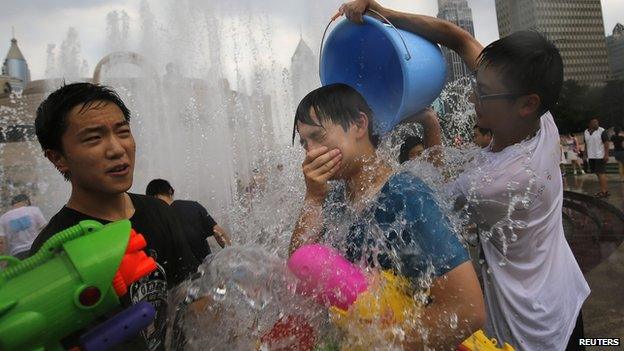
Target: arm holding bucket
[[431, 28]]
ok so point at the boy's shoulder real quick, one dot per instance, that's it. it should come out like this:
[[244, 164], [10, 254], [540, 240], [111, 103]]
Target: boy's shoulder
[[146, 203], [405, 182], [186, 204]]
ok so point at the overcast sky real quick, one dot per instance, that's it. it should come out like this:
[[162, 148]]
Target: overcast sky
[[40, 22]]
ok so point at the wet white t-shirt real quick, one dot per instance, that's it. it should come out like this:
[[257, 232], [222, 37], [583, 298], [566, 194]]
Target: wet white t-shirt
[[594, 143], [533, 286], [20, 227]]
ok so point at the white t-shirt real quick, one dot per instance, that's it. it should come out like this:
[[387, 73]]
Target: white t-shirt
[[20, 227], [534, 288], [594, 144]]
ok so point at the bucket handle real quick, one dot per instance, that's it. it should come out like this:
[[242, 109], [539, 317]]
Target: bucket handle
[[408, 56]]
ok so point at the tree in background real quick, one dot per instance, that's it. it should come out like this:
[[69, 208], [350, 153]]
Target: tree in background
[[578, 103]]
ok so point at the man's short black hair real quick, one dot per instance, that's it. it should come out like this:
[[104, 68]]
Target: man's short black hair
[[408, 144], [159, 187], [20, 198], [529, 63], [51, 121], [483, 131], [338, 103]]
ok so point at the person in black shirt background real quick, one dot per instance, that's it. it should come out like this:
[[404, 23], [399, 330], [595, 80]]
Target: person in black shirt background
[[618, 149], [200, 225], [84, 131]]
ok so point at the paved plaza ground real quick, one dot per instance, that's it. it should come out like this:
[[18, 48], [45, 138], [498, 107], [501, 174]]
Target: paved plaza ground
[[603, 312]]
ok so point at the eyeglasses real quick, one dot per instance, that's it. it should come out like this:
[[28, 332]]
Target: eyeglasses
[[480, 98]]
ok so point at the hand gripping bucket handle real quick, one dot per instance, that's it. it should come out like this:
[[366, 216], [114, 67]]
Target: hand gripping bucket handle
[[407, 56]]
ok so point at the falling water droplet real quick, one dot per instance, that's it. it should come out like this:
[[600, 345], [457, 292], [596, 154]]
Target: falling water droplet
[[220, 293], [454, 321]]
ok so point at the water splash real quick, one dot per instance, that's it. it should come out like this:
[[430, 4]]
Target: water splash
[[217, 124]]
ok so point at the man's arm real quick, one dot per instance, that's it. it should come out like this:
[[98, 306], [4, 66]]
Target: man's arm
[[457, 310], [39, 219], [221, 236], [432, 133], [431, 28], [211, 226], [455, 291]]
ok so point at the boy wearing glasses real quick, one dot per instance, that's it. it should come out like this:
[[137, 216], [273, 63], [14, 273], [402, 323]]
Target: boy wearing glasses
[[534, 288]]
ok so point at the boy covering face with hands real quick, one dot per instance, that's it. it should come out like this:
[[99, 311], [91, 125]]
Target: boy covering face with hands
[[392, 219]]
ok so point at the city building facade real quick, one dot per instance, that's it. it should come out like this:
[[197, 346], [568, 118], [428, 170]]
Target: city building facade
[[575, 26], [615, 48], [459, 13], [303, 71], [15, 73]]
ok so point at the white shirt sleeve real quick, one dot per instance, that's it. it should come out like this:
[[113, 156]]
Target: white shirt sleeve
[[40, 221], [2, 233]]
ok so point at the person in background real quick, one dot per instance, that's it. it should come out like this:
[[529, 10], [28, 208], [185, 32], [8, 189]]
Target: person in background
[[597, 153], [411, 148], [482, 136], [199, 224], [571, 151], [618, 149], [19, 227]]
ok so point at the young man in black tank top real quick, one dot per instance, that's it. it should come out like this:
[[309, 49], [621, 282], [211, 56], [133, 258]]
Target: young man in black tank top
[[84, 131]]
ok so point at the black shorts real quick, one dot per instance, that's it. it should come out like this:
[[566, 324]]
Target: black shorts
[[597, 165]]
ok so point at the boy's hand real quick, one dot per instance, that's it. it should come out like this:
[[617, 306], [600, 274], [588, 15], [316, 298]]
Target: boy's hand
[[354, 10], [318, 167]]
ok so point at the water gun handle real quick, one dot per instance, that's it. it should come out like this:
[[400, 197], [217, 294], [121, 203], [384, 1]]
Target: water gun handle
[[119, 328]]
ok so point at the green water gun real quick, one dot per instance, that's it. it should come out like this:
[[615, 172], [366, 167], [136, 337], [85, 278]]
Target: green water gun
[[75, 278]]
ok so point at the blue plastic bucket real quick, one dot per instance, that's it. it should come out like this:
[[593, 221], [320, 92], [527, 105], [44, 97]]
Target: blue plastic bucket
[[398, 73]]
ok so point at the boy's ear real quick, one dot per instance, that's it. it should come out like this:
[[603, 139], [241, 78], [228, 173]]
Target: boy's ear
[[58, 160], [362, 125], [530, 105]]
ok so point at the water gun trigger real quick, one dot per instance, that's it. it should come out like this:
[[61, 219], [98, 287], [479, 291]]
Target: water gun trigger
[[135, 264]]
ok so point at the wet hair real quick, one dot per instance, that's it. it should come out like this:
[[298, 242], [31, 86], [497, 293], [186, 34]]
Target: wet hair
[[52, 114], [20, 198], [529, 63], [159, 187], [409, 143], [483, 131], [338, 103]]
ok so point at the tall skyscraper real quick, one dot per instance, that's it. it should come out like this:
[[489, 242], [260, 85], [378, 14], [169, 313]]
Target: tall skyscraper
[[15, 72], [458, 12], [615, 47], [575, 26], [303, 71]]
